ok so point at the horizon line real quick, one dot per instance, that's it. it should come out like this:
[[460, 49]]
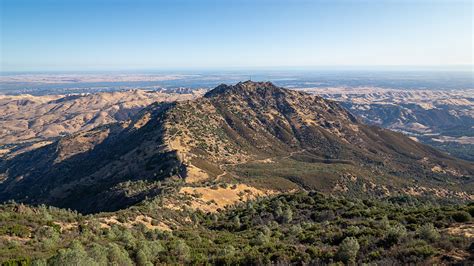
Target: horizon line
[[450, 67]]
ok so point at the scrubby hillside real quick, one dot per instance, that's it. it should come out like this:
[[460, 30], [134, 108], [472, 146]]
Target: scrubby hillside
[[296, 228], [282, 139]]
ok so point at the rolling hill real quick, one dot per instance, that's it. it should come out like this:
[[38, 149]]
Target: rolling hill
[[28, 122]]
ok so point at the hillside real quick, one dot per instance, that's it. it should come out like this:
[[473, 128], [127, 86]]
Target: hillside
[[268, 139], [28, 122], [442, 118], [296, 228]]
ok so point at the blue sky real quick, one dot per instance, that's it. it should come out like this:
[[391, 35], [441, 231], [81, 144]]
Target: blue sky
[[143, 34]]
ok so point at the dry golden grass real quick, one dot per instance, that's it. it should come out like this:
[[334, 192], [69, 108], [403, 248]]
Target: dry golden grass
[[211, 199], [195, 175], [107, 222], [466, 230]]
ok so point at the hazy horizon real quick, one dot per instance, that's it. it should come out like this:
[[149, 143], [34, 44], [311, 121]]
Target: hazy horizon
[[341, 68]]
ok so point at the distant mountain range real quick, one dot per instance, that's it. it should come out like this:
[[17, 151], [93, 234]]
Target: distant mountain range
[[443, 119], [28, 122]]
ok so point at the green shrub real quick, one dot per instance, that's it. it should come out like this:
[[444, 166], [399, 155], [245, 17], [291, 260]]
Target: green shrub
[[16, 262], [226, 251], [287, 215], [118, 255], [416, 251], [295, 230], [470, 210], [461, 216], [260, 239], [395, 233], [75, 255], [375, 255], [39, 262], [428, 232], [180, 250], [236, 222], [56, 227], [98, 253], [142, 259], [15, 230], [348, 250]]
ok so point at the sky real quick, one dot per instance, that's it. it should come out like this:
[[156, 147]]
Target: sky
[[39, 35]]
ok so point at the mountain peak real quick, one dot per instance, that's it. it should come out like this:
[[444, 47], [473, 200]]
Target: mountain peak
[[243, 87], [254, 132]]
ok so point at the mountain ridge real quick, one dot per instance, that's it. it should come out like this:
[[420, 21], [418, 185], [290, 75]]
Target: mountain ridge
[[253, 133]]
